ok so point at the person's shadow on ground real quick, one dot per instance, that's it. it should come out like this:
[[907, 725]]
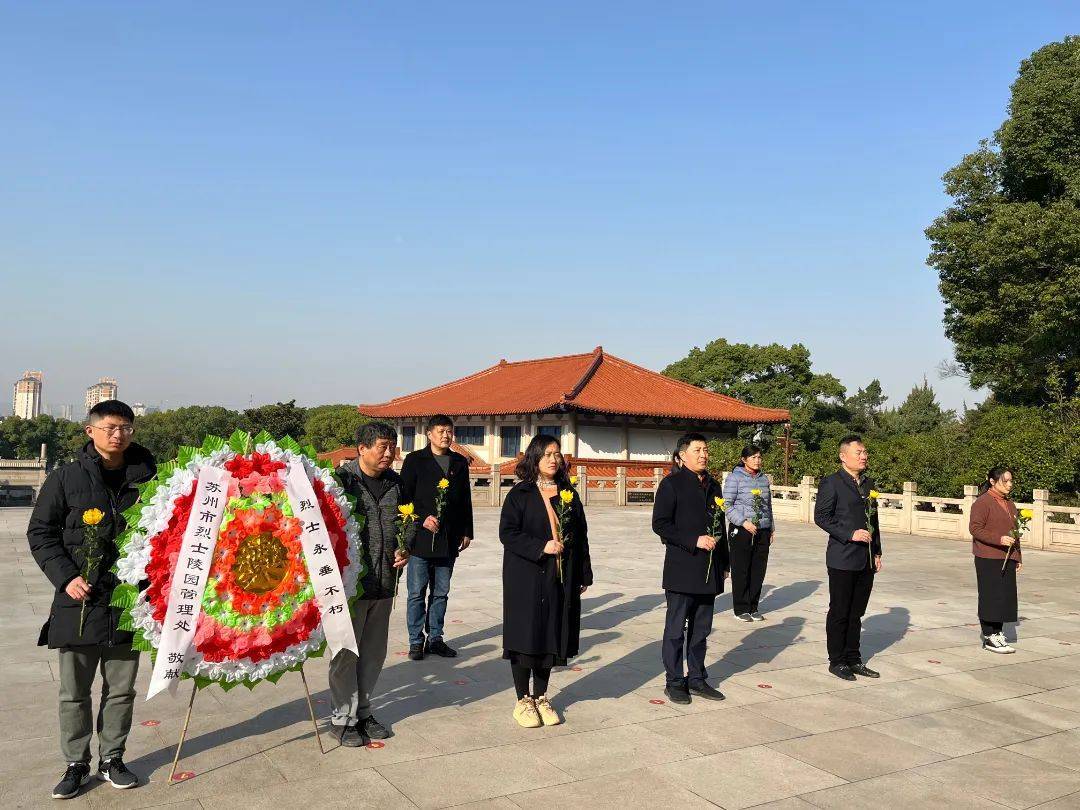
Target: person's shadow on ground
[[882, 630]]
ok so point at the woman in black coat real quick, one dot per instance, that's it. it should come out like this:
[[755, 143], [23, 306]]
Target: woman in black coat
[[541, 613]]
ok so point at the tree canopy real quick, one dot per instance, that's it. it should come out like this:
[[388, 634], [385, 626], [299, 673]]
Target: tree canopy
[[1007, 250]]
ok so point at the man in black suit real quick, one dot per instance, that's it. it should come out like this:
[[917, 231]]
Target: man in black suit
[[439, 539], [695, 566], [853, 556]]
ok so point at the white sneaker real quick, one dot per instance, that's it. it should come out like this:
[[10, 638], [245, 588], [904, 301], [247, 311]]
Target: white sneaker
[[757, 617], [997, 644]]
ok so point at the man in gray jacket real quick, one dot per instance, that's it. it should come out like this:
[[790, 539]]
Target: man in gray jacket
[[378, 493]]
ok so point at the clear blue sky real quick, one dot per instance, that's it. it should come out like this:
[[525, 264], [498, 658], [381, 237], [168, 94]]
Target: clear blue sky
[[219, 203]]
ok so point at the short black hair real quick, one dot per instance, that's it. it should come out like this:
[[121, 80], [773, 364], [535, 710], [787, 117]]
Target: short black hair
[[438, 420], [751, 450], [684, 441], [370, 433], [111, 407], [851, 438]]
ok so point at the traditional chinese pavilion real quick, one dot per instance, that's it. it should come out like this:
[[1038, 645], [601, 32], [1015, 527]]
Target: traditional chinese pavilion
[[603, 409]]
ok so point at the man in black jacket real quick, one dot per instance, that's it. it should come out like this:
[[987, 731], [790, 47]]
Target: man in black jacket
[[378, 493], [439, 539], [104, 477], [853, 555], [695, 566]]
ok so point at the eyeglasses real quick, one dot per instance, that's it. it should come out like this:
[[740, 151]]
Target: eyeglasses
[[123, 430]]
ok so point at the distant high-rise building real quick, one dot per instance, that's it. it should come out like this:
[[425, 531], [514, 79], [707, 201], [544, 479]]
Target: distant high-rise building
[[27, 400], [139, 409], [62, 411], [103, 389]]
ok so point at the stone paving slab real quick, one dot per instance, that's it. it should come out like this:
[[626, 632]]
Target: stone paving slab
[[947, 724]]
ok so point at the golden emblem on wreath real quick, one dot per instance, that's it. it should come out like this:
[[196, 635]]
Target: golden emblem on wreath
[[261, 563]]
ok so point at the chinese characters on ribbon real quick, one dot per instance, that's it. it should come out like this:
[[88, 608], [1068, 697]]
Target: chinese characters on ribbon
[[323, 571], [189, 578]]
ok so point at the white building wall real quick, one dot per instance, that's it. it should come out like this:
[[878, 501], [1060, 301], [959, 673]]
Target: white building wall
[[600, 442]]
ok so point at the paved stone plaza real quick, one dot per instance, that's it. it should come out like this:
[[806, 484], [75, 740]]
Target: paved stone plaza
[[948, 725]]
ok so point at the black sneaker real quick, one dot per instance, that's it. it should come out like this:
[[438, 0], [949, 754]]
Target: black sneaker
[[76, 775], [678, 694], [416, 653], [116, 773], [864, 670], [703, 690], [438, 647], [349, 736], [842, 671], [373, 729], [757, 617], [744, 617]]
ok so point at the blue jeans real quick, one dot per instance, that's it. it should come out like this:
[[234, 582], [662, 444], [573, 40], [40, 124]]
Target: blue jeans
[[421, 572]]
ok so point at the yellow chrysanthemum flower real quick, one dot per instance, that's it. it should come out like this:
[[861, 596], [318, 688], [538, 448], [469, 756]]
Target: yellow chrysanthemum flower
[[874, 494], [92, 517], [1027, 514], [443, 483], [719, 503], [406, 511], [755, 492], [566, 495], [574, 480]]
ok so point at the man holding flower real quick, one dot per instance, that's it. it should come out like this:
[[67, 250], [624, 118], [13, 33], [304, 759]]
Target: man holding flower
[[687, 516], [385, 540], [846, 509], [436, 482], [72, 534]]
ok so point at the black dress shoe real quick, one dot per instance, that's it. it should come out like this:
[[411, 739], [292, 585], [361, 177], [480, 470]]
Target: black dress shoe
[[416, 653], [703, 690], [678, 694], [842, 671], [438, 647], [864, 670], [349, 736]]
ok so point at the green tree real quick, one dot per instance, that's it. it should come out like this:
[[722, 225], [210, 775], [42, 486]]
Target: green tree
[[921, 412], [865, 408], [163, 432], [279, 420], [772, 376], [1007, 250], [22, 438], [329, 427]]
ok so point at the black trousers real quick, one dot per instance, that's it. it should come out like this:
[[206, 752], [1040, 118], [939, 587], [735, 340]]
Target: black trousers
[[749, 559], [849, 594], [688, 624]]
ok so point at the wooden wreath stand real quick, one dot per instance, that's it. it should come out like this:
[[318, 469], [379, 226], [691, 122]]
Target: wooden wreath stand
[[187, 722]]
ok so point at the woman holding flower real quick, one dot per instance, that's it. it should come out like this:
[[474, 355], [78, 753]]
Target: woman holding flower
[[996, 526], [546, 569], [748, 497]]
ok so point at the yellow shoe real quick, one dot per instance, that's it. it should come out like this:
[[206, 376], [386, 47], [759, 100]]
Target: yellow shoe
[[547, 712], [526, 715]]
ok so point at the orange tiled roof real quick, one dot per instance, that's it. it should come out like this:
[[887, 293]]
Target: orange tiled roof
[[596, 382]]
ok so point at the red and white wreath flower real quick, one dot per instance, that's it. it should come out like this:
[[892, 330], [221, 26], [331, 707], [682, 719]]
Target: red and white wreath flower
[[259, 616]]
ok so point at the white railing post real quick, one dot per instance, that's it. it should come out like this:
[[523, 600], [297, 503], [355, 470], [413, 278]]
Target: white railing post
[[970, 494], [583, 483], [1038, 532], [496, 485], [911, 489], [620, 486], [806, 503]]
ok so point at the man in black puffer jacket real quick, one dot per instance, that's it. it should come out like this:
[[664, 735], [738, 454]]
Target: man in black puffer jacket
[[103, 477], [378, 492]]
